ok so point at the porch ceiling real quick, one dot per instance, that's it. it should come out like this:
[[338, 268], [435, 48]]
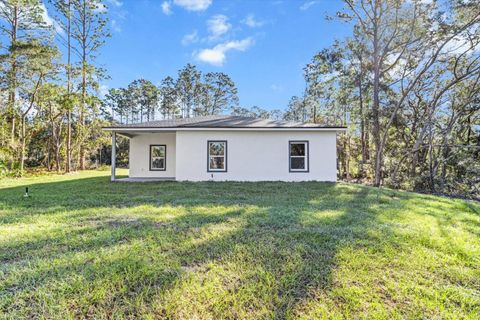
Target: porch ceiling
[[131, 134]]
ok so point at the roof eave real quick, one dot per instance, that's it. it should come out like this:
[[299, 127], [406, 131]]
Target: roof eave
[[149, 129]]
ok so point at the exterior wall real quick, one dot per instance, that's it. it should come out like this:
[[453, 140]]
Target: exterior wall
[[256, 156], [139, 156]]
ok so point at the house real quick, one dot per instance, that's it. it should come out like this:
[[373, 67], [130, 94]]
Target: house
[[230, 148]]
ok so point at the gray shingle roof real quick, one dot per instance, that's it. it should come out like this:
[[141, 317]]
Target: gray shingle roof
[[221, 121]]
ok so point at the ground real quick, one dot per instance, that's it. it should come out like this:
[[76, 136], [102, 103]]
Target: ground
[[82, 247]]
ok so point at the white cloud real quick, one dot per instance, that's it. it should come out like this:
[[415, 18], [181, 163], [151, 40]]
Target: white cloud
[[217, 55], [251, 22], [166, 8], [421, 1], [190, 38], [308, 4], [103, 90], [276, 87], [193, 5], [459, 45], [116, 3], [48, 20], [115, 26], [51, 22], [217, 26]]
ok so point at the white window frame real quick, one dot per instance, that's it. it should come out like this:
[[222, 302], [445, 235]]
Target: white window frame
[[216, 156], [152, 157], [306, 156]]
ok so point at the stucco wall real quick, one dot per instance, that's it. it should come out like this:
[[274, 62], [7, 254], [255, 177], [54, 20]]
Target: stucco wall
[[255, 156], [139, 157]]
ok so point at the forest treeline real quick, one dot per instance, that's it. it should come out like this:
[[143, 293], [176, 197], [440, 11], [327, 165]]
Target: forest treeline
[[405, 81], [190, 94], [50, 107]]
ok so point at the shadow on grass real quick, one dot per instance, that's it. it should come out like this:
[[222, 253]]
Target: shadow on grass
[[291, 231]]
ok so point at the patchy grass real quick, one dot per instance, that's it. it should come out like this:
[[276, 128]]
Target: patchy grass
[[82, 247]]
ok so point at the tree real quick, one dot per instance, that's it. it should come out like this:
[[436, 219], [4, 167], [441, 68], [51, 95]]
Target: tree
[[294, 109], [113, 100], [31, 100], [22, 24], [218, 93], [89, 32], [408, 79], [51, 107], [188, 88], [257, 112], [145, 96], [190, 95], [64, 21], [36, 62], [406, 41], [168, 98]]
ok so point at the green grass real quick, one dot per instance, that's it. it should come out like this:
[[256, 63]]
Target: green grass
[[82, 247]]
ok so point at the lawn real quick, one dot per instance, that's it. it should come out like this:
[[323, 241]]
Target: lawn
[[82, 247]]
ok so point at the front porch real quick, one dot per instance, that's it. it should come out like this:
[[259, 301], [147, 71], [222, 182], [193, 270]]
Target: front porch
[[151, 156]]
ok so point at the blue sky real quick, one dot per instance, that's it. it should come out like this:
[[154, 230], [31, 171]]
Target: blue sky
[[263, 45]]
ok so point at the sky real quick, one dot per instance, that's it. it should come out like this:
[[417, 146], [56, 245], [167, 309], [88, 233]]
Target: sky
[[262, 45]]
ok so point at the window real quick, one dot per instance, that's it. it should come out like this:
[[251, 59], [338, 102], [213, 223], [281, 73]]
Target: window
[[217, 156], [158, 157], [298, 156]]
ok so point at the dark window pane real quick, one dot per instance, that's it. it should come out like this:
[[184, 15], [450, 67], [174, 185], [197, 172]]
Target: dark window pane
[[297, 149], [158, 151], [217, 163], [158, 163], [297, 163], [217, 148]]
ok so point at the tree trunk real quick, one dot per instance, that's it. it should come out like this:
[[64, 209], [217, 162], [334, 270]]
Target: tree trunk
[[57, 159], [12, 97], [362, 126], [47, 161], [347, 157], [469, 129], [84, 89], [69, 112], [415, 152], [367, 138], [376, 104], [23, 128], [69, 142], [57, 135], [22, 146], [430, 160], [443, 176]]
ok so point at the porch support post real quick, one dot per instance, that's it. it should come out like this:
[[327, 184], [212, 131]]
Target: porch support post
[[114, 154]]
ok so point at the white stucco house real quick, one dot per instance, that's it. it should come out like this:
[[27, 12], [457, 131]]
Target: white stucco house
[[229, 148]]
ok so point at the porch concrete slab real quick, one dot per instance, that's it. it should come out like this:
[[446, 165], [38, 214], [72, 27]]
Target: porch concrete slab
[[149, 179]]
